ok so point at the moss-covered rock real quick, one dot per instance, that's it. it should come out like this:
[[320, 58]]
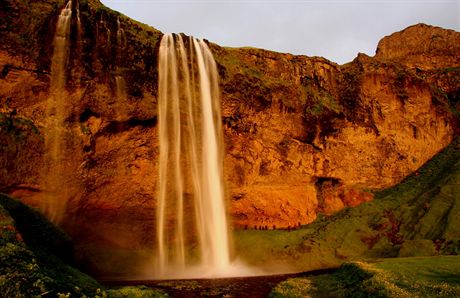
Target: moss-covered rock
[[35, 255], [136, 292], [402, 277], [20, 145]]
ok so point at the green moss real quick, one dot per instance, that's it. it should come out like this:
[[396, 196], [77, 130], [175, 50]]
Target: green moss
[[402, 277], [36, 259], [181, 284], [247, 80], [135, 292], [293, 288], [35, 256], [20, 145], [399, 85], [319, 101], [350, 87], [423, 206], [26, 25], [17, 127], [39, 234], [417, 248], [445, 93], [455, 69]]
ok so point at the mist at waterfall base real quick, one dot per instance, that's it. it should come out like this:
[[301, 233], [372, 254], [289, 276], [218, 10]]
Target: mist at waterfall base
[[191, 209]]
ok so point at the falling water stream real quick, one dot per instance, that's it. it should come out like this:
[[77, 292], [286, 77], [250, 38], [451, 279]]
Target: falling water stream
[[120, 83], [192, 229], [53, 177], [191, 207]]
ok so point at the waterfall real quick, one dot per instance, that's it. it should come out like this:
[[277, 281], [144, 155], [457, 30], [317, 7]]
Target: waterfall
[[191, 207], [79, 27], [61, 49], [121, 39], [53, 177], [120, 83], [120, 88], [104, 34]]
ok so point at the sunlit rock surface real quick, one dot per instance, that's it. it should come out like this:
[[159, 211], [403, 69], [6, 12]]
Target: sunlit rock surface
[[303, 135]]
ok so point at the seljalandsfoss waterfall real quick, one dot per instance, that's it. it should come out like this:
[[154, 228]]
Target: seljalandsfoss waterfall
[[163, 165], [191, 208], [54, 202]]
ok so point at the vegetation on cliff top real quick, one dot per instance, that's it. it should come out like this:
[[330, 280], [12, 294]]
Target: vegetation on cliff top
[[27, 28]]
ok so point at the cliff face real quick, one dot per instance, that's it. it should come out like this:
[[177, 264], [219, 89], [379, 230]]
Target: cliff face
[[303, 135]]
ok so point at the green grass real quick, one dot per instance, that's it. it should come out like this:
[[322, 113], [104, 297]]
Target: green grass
[[426, 205], [36, 259], [260, 248], [35, 256], [135, 292], [401, 277], [38, 233]]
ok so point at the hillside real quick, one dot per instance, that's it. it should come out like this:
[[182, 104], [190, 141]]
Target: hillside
[[415, 218]]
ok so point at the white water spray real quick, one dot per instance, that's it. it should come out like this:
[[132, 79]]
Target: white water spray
[[191, 207]]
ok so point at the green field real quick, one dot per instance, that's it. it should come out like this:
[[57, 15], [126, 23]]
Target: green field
[[395, 277]]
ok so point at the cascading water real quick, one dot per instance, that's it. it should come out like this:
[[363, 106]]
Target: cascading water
[[103, 33], [55, 200], [121, 38], [191, 207], [79, 27], [120, 82]]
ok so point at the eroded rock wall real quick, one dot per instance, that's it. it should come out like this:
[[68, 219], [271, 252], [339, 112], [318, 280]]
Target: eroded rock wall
[[307, 136]]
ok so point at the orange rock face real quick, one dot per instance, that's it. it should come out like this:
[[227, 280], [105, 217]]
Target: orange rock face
[[326, 133], [421, 46], [303, 135]]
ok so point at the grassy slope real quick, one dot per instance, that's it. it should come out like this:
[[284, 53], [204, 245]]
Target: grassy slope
[[423, 206], [35, 254], [35, 258], [399, 277]]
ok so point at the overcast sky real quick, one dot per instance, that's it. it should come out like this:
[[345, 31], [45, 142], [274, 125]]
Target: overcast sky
[[336, 30]]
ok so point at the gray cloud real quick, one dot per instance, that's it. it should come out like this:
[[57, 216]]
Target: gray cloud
[[336, 30]]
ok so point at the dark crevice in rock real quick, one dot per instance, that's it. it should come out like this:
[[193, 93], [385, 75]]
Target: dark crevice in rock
[[11, 188], [238, 196], [308, 142], [239, 124], [115, 127], [322, 181], [7, 67], [86, 114]]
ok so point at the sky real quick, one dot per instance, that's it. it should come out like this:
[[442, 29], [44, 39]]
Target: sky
[[335, 29]]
